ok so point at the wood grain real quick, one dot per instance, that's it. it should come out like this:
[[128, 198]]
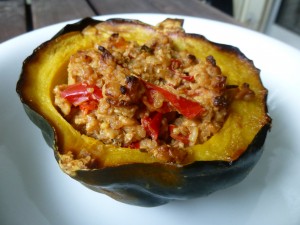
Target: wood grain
[[12, 19], [191, 8], [16, 17], [180, 7], [53, 11], [126, 6]]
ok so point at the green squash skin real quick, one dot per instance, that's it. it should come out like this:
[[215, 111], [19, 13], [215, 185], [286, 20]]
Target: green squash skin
[[155, 184], [145, 184]]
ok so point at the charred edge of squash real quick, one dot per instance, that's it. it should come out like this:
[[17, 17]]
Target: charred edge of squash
[[117, 21], [126, 21], [79, 26], [225, 48]]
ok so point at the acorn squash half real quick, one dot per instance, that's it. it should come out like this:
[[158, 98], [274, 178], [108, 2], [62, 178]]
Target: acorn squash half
[[132, 176]]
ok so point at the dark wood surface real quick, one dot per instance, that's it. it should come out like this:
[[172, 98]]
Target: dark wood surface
[[12, 19], [20, 16]]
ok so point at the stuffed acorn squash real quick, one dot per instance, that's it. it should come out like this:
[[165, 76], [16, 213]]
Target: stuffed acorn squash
[[146, 114]]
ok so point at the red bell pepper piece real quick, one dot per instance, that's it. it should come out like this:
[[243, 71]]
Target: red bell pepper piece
[[186, 107], [81, 92], [152, 124], [135, 145], [188, 78], [88, 106], [83, 95]]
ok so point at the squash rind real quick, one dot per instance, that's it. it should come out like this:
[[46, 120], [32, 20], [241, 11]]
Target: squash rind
[[149, 183]]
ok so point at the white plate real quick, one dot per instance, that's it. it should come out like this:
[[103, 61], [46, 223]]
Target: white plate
[[33, 190]]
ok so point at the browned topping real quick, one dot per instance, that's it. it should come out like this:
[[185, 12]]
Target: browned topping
[[211, 60], [221, 101]]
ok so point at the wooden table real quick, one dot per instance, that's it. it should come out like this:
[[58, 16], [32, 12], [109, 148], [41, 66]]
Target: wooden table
[[20, 16]]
